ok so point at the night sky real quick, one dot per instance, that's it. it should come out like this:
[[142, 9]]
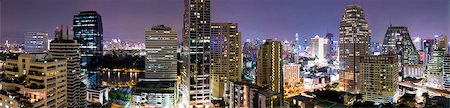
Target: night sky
[[281, 19]]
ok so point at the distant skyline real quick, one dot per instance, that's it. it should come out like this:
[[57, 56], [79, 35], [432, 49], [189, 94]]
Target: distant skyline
[[262, 19]]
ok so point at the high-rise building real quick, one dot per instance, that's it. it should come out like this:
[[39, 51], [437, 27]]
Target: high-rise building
[[63, 47], [226, 56], [428, 45], [418, 43], [36, 42], [378, 78], [195, 86], [330, 48], [435, 67], [354, 37], [88, 32], [446, 72], [291, 78], [318, 47], [398, 41], [250, 53], [160, 69], [34, 81], [269, 73]]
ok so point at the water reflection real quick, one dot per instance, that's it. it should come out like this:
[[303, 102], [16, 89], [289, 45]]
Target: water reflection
[[120, 78]]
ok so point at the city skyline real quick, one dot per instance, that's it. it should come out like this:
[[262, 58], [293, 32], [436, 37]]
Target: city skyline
[[261, 20]]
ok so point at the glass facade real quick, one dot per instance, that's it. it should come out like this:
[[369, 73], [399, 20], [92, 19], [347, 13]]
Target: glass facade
[[88, 32]]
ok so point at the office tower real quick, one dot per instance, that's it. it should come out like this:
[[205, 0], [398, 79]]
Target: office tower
[[318, 47], [250, 53], [435, 67], [330, 49], [378, 78], [428, 45], [63, 47], [291, 78], [226, 56], [397, 41], [246, 95], [418, 43], [34, 81], [446, 72], [160, 68], [354, 39], [36, 42], [269, 66], [88, 32], [196, 53]]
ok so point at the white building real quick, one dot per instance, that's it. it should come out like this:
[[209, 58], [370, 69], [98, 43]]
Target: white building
[[36, 42], [318, 47], [98, 95]]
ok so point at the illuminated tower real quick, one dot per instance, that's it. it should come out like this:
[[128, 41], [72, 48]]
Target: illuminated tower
[[354, 38], [397, 41], [269, 66], [226, 56], [160, 68], [88, 32], [435, 67], [195, 86], [63, 47], [379, 78]]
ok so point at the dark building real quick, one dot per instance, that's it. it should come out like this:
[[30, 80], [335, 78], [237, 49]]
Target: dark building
[[195, 78], [88, 32]]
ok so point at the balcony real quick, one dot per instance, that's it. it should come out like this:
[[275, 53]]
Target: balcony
[[14, 69]]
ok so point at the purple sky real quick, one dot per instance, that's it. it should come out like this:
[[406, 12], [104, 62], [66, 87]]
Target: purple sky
[[127, 19]]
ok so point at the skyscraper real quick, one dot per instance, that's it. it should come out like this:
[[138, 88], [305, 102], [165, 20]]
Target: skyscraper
[[397, 41], [269, 66], [330, 47], [354, 42], [446, 72], [195, 72], [250, 53], [435, 67], [36, 42], [63, 47], [160, 68], [378, 78], [418, 43], [88, 32], [226, 56], [319, 47]]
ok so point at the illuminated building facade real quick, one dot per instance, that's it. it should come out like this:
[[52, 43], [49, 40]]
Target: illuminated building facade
[[269, 66], [354, 36], [435, 67], [398, 41], [36, 42], [88, 32], [319, 47], [34, 81], [63, 47], [378, 78], [195, 74], [446, 72], [292, 79], [160, 67], [245, 95], [250, 53], [226, 56]]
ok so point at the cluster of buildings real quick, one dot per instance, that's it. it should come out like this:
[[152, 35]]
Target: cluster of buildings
[[212, 68]]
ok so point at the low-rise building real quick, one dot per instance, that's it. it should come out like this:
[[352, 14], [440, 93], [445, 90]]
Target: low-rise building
[[245, 95]]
